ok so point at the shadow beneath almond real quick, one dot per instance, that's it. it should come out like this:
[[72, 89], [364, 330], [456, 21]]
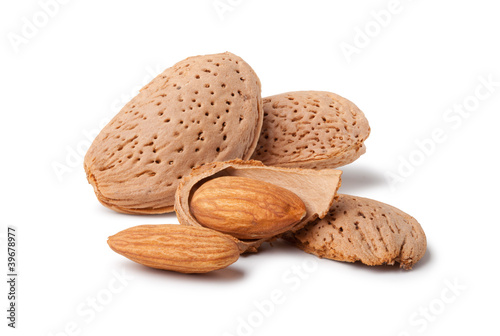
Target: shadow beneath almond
[[276, 247], [285, 247], [355, 179], [426, 259], [229, 274]]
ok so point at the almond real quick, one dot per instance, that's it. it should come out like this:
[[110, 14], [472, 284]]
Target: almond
[[203, 109], [246, 208], [311, 129], [180, 248]]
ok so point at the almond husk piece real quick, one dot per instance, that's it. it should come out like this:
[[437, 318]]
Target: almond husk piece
[[316, 188]]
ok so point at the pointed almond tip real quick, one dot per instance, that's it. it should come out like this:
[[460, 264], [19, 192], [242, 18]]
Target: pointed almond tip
[[111, 241]]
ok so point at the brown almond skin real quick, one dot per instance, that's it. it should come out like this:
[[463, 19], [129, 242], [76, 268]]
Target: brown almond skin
[[246, 208], [172, 247]]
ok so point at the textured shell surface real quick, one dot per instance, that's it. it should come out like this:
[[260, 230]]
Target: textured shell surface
[[361, 229], [203, 109], [311, 129]]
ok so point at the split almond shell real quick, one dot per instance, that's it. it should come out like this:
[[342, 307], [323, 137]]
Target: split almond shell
[[316, 188]]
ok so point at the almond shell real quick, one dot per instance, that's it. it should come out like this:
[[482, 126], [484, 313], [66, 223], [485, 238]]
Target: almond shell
[[362, 229], [311, 129], [203, 109], [316, 188]]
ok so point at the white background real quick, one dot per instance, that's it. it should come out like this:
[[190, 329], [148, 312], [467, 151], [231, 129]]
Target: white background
[[90, 57]]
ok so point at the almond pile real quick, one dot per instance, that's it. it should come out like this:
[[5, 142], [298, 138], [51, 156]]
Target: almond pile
[[240, 170]]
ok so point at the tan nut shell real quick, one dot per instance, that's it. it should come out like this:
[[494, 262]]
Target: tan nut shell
[[203, 109], [316, 188], [361, 229], [311, 129]]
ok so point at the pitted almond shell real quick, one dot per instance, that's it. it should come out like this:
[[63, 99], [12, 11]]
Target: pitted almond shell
[[203, 109], [361, 229], [311, 129], [316, 188]]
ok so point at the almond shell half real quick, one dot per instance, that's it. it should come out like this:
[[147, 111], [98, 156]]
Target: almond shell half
[[362, 229], [316, 188]]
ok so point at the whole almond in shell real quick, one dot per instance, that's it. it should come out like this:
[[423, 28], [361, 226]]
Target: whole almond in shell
[[246, 208], [180, 248], [201, 110], [361, 229], [311, 129], [316, 189]]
